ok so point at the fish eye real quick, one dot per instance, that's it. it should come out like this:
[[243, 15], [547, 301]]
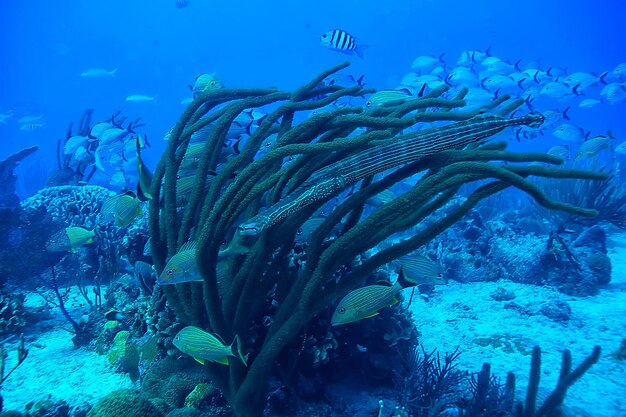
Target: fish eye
[[342, 310], [212, 82], [324, 35], [170, 271], [368, 104], [177, 337]]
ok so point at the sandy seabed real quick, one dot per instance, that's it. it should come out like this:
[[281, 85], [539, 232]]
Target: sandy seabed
[[455, 315], [459, 314]]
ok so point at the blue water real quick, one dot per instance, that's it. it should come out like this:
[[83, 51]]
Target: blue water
[[160, 49]]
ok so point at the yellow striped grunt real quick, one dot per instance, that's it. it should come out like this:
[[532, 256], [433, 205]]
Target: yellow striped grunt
[[203, 346], [185, 185], [144, 182], [69, 239], [386, 96], [559, 151], [365, 302], [593, 146], [121, 209], [182, 267], [420, 270], [381, 198], [192, 156], [205, 83]]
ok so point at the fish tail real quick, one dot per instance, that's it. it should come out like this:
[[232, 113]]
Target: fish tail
[[237, 346], [359, 50], [565, 115], [441, 59], [114, 72], [402, 281]]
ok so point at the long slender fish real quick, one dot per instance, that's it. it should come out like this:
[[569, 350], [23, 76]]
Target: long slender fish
[[330, 180]]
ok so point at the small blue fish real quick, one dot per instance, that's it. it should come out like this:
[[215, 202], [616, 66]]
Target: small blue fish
[[341, 41], [181, 4]]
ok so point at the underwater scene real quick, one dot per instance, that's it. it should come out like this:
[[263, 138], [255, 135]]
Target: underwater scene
[[413, 208]]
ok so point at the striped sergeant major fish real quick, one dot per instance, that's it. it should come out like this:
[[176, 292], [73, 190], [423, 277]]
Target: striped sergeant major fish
[[341, 41]]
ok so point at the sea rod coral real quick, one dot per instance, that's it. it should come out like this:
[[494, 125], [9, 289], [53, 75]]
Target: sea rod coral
[[256, 204]]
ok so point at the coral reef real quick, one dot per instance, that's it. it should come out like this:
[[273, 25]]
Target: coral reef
[[310, 164], [172, 380], [124, 355], [70, 205], [124, 403], [10, 216], [502, 249], [9, 200], [608, 198], [579, 267], [567, 377], [429, 383], [199, 394], [13, 315]]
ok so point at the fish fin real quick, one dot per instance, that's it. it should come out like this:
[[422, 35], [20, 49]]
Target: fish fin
[[575, 89], [223, 361], [394, 301], [237, 345], [421, 92], [130, 128], [565, 115], [141, 195], [403, 281], [602, 76], [375, 313], [529, 102], [236, 147], [191, 245], [114, 72], [114, 123], [89, 241], [360, 81], [200, 361], [359, 50], [249, 127]]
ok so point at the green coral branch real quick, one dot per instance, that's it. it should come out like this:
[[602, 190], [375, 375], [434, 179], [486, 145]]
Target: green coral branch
[[326, 151]]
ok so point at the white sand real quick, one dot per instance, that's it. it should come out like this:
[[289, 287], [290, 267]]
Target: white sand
[[458, 314], [455, 315], [55, 368]]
